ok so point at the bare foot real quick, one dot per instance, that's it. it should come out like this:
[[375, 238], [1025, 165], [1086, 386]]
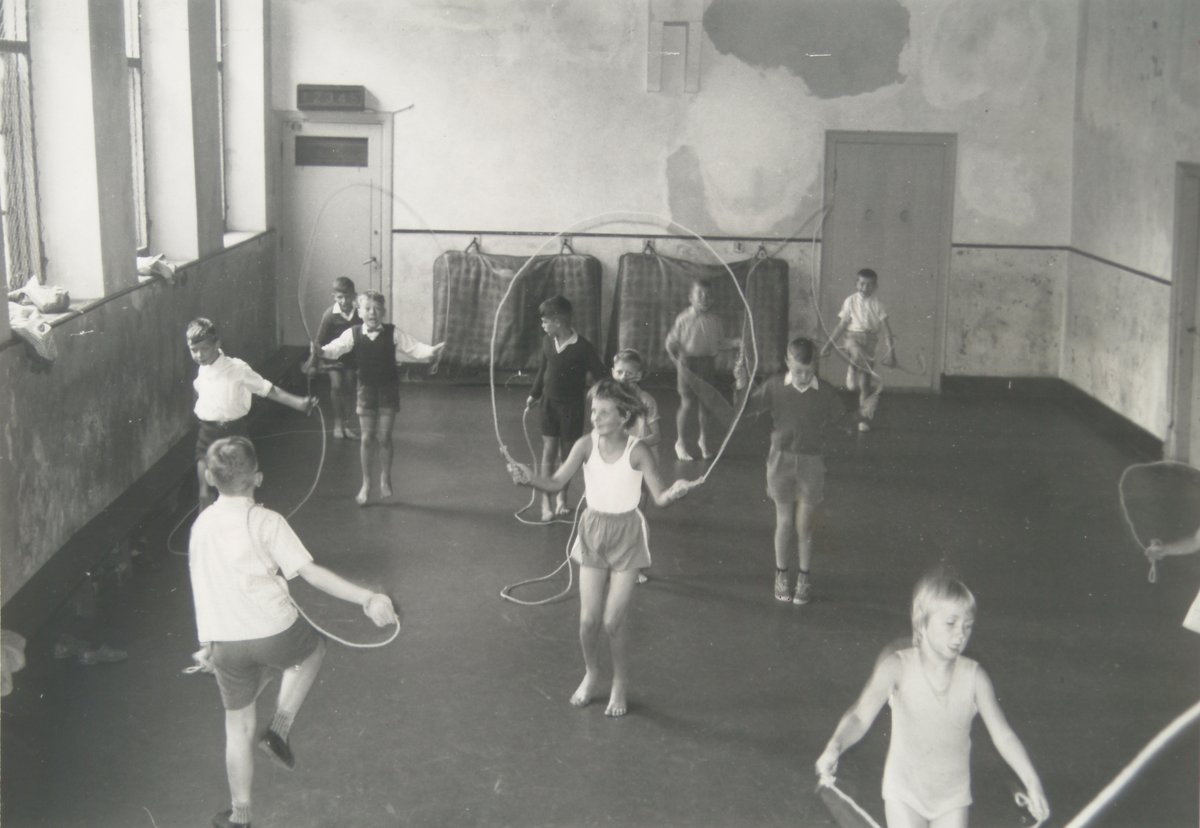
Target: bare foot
[[584, 694], [617, 706], [363, 494], [682, 453], [547, 510], [385, 487]]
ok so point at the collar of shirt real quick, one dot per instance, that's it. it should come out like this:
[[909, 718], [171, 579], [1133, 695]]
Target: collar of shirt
[[812, 383], [559, 347], [337, 311], [371, 334]]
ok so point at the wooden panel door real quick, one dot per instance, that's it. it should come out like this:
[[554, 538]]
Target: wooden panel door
[[891, 200]]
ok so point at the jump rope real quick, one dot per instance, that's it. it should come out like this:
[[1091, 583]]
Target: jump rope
[[1152, 575], [585, 224], [302, 284]]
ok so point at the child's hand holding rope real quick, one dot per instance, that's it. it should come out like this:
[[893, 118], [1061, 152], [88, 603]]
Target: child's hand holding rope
[[378, 607], [522, 475], [680, 489]]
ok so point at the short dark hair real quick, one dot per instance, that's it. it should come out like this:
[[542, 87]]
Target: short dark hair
[[867, 273], [201, 329], [803, 350], [231, 459], [556, 306], [344, 284]]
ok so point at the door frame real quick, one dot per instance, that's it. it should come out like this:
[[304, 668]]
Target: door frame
[[1185, 294], [382, 200], [949, 143]]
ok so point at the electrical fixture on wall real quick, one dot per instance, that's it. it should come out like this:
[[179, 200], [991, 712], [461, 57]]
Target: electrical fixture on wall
[[675, 31], [330, 98]]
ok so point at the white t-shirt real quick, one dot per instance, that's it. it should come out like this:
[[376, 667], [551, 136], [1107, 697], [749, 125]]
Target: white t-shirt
[[241, 556], [224, 389], [865, 313]]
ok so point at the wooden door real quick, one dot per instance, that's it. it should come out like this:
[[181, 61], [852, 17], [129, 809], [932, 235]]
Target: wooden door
[[334, 214], [890, 199]]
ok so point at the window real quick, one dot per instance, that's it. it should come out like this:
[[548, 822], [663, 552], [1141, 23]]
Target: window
[[18, 180], [137, 121], [220, 5]]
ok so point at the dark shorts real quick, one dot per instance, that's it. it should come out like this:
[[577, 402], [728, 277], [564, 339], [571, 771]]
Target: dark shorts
[[210, 432], [240, 664], [705, 369], [562, 420], [794, 477], [372, 398]]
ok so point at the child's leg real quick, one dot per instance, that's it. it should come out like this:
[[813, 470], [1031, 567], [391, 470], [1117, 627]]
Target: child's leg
[[549, 465], [366, 448], [616, 612], [785, 530], [337, 401], [349, 382], [294, 686], [239, 752], [591, 620], [560, 499], [899, 815], [805, 510], [386, 418], [704, 420], [681, 420]]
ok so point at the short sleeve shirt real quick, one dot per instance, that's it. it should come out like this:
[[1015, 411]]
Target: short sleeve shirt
[[863, 314], [225, 389]]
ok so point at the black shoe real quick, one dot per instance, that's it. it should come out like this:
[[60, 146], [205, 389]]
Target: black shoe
[[276, 747], [222, 820]]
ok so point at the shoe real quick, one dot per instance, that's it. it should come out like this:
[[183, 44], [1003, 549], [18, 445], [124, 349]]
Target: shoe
[[804, 592], [276, 747], [641, 578], [863, 425], [222, 820], [781, 586]]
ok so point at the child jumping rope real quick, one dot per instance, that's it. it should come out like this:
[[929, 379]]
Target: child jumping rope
[[862, 318], [337, 319], [934, 692], [611, 545], [377, 348]]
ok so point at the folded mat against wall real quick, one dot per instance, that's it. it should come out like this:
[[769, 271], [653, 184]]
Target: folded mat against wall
[[468, 287], [652, 289]]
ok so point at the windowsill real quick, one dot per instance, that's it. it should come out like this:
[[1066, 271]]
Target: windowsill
[[79, 307]]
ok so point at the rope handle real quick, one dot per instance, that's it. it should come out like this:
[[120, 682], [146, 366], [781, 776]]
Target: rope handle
[[566, 247], [1022, 800], [474, 243], [761, 253], [648, 248]]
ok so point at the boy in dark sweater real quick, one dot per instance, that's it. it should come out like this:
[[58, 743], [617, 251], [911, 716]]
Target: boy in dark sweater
[[561, 385]]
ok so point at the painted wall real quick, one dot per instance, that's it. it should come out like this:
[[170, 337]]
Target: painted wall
[[532, 116], [76, 433], [1138, 114]]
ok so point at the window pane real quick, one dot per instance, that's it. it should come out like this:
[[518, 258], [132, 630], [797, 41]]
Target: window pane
[[18, 187], [133, 29], [137, 135], [12, 20]]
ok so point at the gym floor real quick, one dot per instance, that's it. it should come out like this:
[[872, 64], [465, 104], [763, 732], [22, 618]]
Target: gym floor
[[464, 720]]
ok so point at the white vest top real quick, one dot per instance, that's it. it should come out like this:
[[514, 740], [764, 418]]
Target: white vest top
[[612, 487]]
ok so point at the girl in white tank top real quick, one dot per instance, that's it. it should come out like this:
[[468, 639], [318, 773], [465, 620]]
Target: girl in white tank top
[[610, 545]]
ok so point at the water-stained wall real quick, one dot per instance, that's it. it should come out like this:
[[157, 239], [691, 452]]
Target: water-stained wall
[[532, 116], [76, 433], [1138, 115]]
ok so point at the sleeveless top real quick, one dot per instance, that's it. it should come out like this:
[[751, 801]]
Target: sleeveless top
[[928, 762], [612, 487], [376, 357]]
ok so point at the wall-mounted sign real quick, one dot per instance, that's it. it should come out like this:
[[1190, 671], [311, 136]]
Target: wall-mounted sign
[[313, 96]]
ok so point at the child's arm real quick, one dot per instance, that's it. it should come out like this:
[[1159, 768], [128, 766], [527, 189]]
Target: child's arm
[[653, 435], [642, 459], [889, 341], [522, 475], [1185, 546], [410, 346], [340, 346], [1008, 745], [301, 404], [377, 606], [861, 715], [833, 337], [535, 393]]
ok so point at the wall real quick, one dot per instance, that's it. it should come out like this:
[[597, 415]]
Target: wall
[[116, 399], [532, 116], [1138, 113]]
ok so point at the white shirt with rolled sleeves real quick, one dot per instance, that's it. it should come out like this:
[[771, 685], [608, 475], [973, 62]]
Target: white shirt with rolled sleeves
[[863, 314], [408, 348], [225, 389]]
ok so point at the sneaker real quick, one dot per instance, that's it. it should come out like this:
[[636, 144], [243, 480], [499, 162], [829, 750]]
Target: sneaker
[[276, 747], [804, 592], [781, 586], [863, 425], [222, 820]]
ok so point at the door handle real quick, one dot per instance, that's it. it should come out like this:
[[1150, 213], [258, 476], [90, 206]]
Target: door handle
[[371, 260]]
